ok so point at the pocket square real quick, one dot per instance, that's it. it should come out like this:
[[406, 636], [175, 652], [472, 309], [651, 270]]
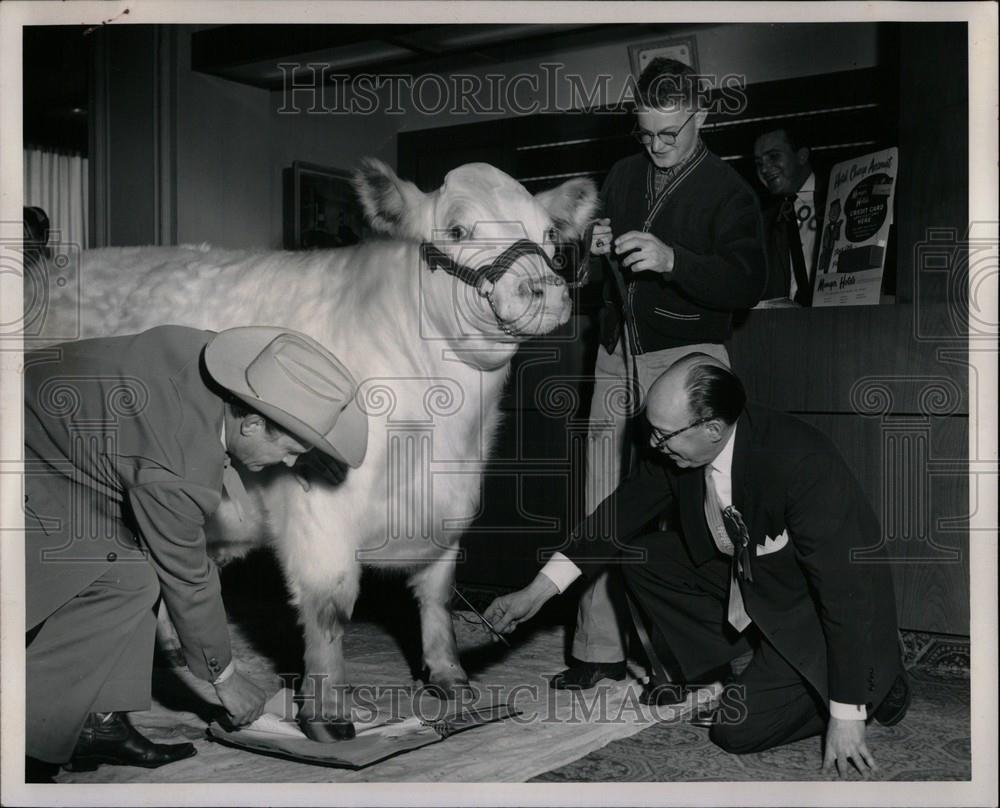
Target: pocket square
[[773, 545]]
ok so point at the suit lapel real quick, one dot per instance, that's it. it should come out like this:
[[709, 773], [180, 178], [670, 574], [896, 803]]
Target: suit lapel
[[691, 503], [746, 478]]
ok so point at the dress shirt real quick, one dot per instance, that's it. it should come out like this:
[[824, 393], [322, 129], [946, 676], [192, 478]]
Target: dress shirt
[[805, 215]]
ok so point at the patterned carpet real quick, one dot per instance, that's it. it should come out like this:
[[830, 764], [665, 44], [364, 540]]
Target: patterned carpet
[[931, 743]]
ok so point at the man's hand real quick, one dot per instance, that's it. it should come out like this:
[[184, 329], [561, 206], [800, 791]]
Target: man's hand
[[507, 611], [644, 252], [600, 242], [315, 465], [243, 700], [845, 740]]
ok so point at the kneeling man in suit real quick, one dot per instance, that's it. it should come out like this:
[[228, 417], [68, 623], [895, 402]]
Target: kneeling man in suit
[[763, 520], [128, 443]]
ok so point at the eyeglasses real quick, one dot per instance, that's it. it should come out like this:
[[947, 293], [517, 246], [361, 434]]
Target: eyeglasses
[[661, 438], [645, 137]]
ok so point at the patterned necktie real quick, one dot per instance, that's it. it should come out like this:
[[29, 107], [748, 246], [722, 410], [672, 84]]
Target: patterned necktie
[[731, 538], [787, 215], [233, 485]]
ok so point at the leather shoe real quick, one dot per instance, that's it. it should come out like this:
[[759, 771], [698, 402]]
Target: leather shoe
[[704, 715], [663, 694], [110, 738], [585, 675], [895, 704], [39, 771]]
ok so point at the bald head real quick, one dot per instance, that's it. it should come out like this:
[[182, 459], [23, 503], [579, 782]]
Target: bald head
[[696, 388]]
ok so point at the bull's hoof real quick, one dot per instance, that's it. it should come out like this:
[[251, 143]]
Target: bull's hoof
[[451, 691], [327, 730]]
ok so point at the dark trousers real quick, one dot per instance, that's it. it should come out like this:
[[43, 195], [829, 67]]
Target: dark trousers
[[93, 654], [769, 703]]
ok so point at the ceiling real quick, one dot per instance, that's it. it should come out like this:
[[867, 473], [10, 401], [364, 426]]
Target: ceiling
[[251, 54], [57, 59]]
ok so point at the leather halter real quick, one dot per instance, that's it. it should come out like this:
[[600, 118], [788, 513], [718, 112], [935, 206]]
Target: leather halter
[[484, 278]]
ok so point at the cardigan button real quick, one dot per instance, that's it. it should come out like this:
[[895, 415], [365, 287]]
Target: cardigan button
[[112, 556]]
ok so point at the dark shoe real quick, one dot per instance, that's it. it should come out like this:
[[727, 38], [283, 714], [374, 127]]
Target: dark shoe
[[895, 704], [585, 675], [39, 771], [110, 738], [704, 715], [663, 694]]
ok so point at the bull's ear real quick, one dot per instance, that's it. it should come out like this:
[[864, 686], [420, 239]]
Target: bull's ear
[[391, 204], [571, 205]]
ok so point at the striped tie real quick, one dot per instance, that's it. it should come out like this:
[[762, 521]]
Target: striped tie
[[736, 612]]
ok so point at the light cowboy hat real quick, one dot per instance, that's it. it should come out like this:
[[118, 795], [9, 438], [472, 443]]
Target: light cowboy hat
[[295, 382]]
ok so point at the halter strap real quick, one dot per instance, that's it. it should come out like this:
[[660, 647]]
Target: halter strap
[[492, 272], [483, 279]]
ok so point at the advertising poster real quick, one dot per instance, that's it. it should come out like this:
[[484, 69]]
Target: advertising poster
[[856, 230]]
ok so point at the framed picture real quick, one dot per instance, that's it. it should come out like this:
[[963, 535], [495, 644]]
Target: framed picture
[[681, 48], [321, 208]]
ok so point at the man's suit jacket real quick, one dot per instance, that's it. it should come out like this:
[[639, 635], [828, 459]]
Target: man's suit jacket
[[124, 464], [778, 249], [831, 616]]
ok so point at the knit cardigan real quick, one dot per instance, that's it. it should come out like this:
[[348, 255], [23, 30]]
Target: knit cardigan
[[712, 219]]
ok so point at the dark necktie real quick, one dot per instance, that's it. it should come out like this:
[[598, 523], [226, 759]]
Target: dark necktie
[[788, 218]]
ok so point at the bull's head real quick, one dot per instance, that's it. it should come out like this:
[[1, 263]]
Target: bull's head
[[483, 228]]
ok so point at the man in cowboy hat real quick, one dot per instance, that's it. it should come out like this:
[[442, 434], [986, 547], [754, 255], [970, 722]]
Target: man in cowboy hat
[[128, 442]]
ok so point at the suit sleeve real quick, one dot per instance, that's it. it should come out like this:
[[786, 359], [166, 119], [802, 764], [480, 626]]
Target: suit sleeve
[[828, 517], [734, 275], [640, 498], [170, 516]]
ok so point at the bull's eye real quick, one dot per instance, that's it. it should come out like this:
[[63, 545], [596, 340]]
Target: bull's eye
[[456, 232]]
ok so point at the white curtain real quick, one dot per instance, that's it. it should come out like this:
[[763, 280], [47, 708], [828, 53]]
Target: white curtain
[[56, 182]]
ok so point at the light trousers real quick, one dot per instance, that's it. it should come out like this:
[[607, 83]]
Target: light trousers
[[602, 613]]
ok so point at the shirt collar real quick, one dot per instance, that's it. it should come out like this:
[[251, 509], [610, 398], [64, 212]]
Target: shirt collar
[[723, 463], [672, 170], [809, 186]]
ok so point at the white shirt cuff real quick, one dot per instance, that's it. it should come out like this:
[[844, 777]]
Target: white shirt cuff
[[848, 712], [561, 571], [227, 671]]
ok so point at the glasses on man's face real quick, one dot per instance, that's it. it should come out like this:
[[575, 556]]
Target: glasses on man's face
[[659, 438], [665, 138]]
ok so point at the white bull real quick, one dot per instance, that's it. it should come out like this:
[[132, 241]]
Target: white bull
[[431, 354]]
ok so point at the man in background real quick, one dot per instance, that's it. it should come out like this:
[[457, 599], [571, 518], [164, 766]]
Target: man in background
[[794, 218]]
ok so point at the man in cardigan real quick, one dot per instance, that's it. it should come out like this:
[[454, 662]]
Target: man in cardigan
[[793, 223], [763, 518], [686, 230], [128, 442]]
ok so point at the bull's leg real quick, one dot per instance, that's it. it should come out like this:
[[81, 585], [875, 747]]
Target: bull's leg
[[167, 640], [432, 587], [325, 714]]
